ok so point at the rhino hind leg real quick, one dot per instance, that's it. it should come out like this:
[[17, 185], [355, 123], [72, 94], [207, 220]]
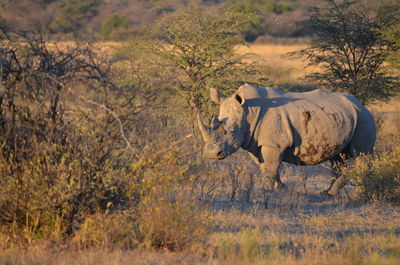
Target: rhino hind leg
[[339, 181]]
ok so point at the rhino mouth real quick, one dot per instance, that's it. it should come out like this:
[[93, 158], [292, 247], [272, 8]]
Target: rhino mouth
[[220, 155]]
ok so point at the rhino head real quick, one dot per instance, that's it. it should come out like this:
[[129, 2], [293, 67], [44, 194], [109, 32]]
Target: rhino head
[[227, 131]]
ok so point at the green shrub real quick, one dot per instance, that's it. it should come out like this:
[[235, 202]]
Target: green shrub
[[74, 16], [114, 25], [281, 7], [377, 177]]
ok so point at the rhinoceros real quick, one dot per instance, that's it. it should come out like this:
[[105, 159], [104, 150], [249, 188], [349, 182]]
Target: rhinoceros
[[299, 128]]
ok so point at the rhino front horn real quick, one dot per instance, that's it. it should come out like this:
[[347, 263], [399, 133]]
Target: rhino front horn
[[205, 131]]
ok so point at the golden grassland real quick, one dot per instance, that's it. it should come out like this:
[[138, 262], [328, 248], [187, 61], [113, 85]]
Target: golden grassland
[[273, 59], [275, 62], [393, 105], [301, 227]]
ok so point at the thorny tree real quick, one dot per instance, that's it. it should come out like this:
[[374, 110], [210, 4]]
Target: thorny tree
[[348, 46], [201, 47]]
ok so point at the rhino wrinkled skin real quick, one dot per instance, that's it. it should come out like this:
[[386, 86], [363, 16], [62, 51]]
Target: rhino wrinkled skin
[[300, 128]]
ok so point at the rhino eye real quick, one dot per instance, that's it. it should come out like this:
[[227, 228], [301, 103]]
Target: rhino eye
[[231, 130]]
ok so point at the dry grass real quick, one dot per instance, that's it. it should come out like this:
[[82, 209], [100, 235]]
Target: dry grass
[[387, 118], [297, 229], [275, 63], [393, 105], [364, 235]]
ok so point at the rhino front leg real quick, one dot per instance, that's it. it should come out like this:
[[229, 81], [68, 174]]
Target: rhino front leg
[[272, 159]]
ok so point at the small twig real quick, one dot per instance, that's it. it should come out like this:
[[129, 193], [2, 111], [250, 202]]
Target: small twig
[[121, 127]]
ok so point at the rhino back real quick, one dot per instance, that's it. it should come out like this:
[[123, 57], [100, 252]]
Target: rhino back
[[314, 125]]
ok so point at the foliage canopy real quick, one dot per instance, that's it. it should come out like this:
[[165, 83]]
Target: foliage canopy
[[348, 46], [75, 14], [113, 23], [201, 46], [392, 35]]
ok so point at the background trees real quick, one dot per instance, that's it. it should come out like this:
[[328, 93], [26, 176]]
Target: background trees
[[74, 15], [276, 18], [348, 46], [114, 25], [391, 33]]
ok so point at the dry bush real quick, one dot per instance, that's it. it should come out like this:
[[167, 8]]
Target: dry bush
[[377, 177], [161, 212], [47, 200], [64, 151], [70, 172], [387, 118], [169, 215]]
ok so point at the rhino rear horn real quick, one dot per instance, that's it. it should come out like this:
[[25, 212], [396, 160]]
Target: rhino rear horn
[[216, 96], [205, 131]]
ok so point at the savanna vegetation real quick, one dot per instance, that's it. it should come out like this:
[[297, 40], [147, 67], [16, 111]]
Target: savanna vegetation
[[100, 159], [124, 19], [349, 47]]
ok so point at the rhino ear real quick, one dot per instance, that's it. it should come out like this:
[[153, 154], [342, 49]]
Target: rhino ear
[[240, 98], [216, 96]]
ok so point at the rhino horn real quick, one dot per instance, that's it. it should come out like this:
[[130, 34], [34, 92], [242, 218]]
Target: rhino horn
[[205, 131]]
